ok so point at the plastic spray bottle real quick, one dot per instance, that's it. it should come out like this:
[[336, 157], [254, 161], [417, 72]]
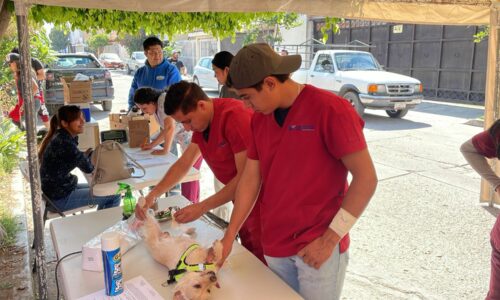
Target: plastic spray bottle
[[128, 199]]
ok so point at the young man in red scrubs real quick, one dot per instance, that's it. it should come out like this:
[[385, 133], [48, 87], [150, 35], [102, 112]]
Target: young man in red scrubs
[[305, 141], [221, 132]]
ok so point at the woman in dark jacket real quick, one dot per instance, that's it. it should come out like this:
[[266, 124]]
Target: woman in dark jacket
[[59, 155]]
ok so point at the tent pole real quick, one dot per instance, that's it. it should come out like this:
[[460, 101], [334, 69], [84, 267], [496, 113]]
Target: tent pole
[[34, 172], [492, 99]]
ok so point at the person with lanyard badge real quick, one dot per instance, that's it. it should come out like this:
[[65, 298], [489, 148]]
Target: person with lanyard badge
[[305, 142], [221, 132], [152, 102], [157, 72], [483, 146], [59, 155], [220, 65]]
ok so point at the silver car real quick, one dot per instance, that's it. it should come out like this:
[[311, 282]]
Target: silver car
[[137, 60], [204, 76]]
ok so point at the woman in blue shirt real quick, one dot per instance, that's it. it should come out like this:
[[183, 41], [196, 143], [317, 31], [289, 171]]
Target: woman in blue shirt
[[59, 155]]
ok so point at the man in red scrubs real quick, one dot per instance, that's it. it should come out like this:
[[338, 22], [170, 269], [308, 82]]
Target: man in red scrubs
[[305, 141], [221, 133]]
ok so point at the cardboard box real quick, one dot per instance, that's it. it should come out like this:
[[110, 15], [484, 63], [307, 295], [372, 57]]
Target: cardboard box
[[76, 91], [120, 121], [90, 137], [138, 132]]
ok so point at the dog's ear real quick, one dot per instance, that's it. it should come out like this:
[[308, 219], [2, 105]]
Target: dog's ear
[[217, 249], [178, 296]]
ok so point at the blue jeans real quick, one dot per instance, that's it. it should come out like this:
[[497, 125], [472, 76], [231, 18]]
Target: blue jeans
[[312, 284], [81, 197]]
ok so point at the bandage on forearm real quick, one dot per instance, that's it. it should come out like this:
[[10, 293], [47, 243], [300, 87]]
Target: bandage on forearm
[[342, 222]]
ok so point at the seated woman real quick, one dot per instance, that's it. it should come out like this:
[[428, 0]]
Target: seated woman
[[59, 155]]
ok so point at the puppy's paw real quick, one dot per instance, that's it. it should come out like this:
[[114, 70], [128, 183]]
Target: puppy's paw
[[215, 252]]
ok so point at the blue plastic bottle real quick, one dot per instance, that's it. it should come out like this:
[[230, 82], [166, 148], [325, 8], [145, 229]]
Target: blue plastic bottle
[[112, 263]]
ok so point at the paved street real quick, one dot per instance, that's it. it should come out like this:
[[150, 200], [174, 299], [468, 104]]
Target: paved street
[[424, 234]]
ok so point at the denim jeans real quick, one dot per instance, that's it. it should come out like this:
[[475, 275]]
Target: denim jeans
[[312, 284], [81, 197]]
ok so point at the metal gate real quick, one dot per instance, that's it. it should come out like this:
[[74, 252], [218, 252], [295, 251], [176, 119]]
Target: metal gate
[[444, 58]]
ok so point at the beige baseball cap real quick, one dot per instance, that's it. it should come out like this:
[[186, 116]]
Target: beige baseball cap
[[255, 62]]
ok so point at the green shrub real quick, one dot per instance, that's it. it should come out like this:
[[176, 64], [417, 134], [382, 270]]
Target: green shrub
[[10, 227], [11, 142]]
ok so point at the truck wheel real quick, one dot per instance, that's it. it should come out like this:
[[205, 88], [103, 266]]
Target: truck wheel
[[397, 113], [52, 108], [107, 105], [353, 98]]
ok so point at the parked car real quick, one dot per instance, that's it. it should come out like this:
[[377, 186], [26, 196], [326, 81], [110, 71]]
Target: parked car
[[136, 60], [358, 77], [111, 60], [204, 76], [68, 65]]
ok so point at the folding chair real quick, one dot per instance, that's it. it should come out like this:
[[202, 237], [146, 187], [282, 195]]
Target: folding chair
[[49, 208], [51, 211]]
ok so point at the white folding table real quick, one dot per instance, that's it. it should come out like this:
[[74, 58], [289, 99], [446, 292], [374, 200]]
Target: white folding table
[[243, 276], [156, 167]]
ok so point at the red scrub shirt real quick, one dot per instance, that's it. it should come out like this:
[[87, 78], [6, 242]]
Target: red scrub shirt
[[303, 177]]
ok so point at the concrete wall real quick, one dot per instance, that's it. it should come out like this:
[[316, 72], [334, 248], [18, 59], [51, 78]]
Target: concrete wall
[[297, 35]]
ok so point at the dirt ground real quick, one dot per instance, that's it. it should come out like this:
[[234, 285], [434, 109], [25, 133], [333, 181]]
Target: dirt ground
[[14, 276]]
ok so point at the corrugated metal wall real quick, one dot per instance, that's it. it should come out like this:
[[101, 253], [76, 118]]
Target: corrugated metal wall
[[451, 66]]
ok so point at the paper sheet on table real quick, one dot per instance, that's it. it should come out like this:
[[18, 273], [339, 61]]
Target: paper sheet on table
[[148, 160], [136, 288]]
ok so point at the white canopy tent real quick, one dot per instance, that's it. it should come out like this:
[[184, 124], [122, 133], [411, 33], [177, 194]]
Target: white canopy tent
[[438, 12], [414, 12]]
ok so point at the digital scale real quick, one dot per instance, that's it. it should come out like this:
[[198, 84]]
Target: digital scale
[[118, 135]]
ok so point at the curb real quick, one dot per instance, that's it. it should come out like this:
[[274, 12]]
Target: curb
[[475, 122], [22, 237]]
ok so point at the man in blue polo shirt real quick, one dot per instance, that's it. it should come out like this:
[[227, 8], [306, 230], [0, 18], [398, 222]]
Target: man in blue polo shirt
[[157, 72]]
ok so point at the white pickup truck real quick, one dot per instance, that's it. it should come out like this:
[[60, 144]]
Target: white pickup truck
[[358, 77]]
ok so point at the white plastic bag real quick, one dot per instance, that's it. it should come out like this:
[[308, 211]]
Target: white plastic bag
[[91, 251], [81, 77]]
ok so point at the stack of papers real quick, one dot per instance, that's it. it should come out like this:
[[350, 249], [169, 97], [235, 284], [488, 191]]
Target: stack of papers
[[136, 288], [148, 160]]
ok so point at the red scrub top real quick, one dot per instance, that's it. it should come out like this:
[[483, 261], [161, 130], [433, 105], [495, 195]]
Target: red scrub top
[[230, 134], [303, 178], [485, 145]]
